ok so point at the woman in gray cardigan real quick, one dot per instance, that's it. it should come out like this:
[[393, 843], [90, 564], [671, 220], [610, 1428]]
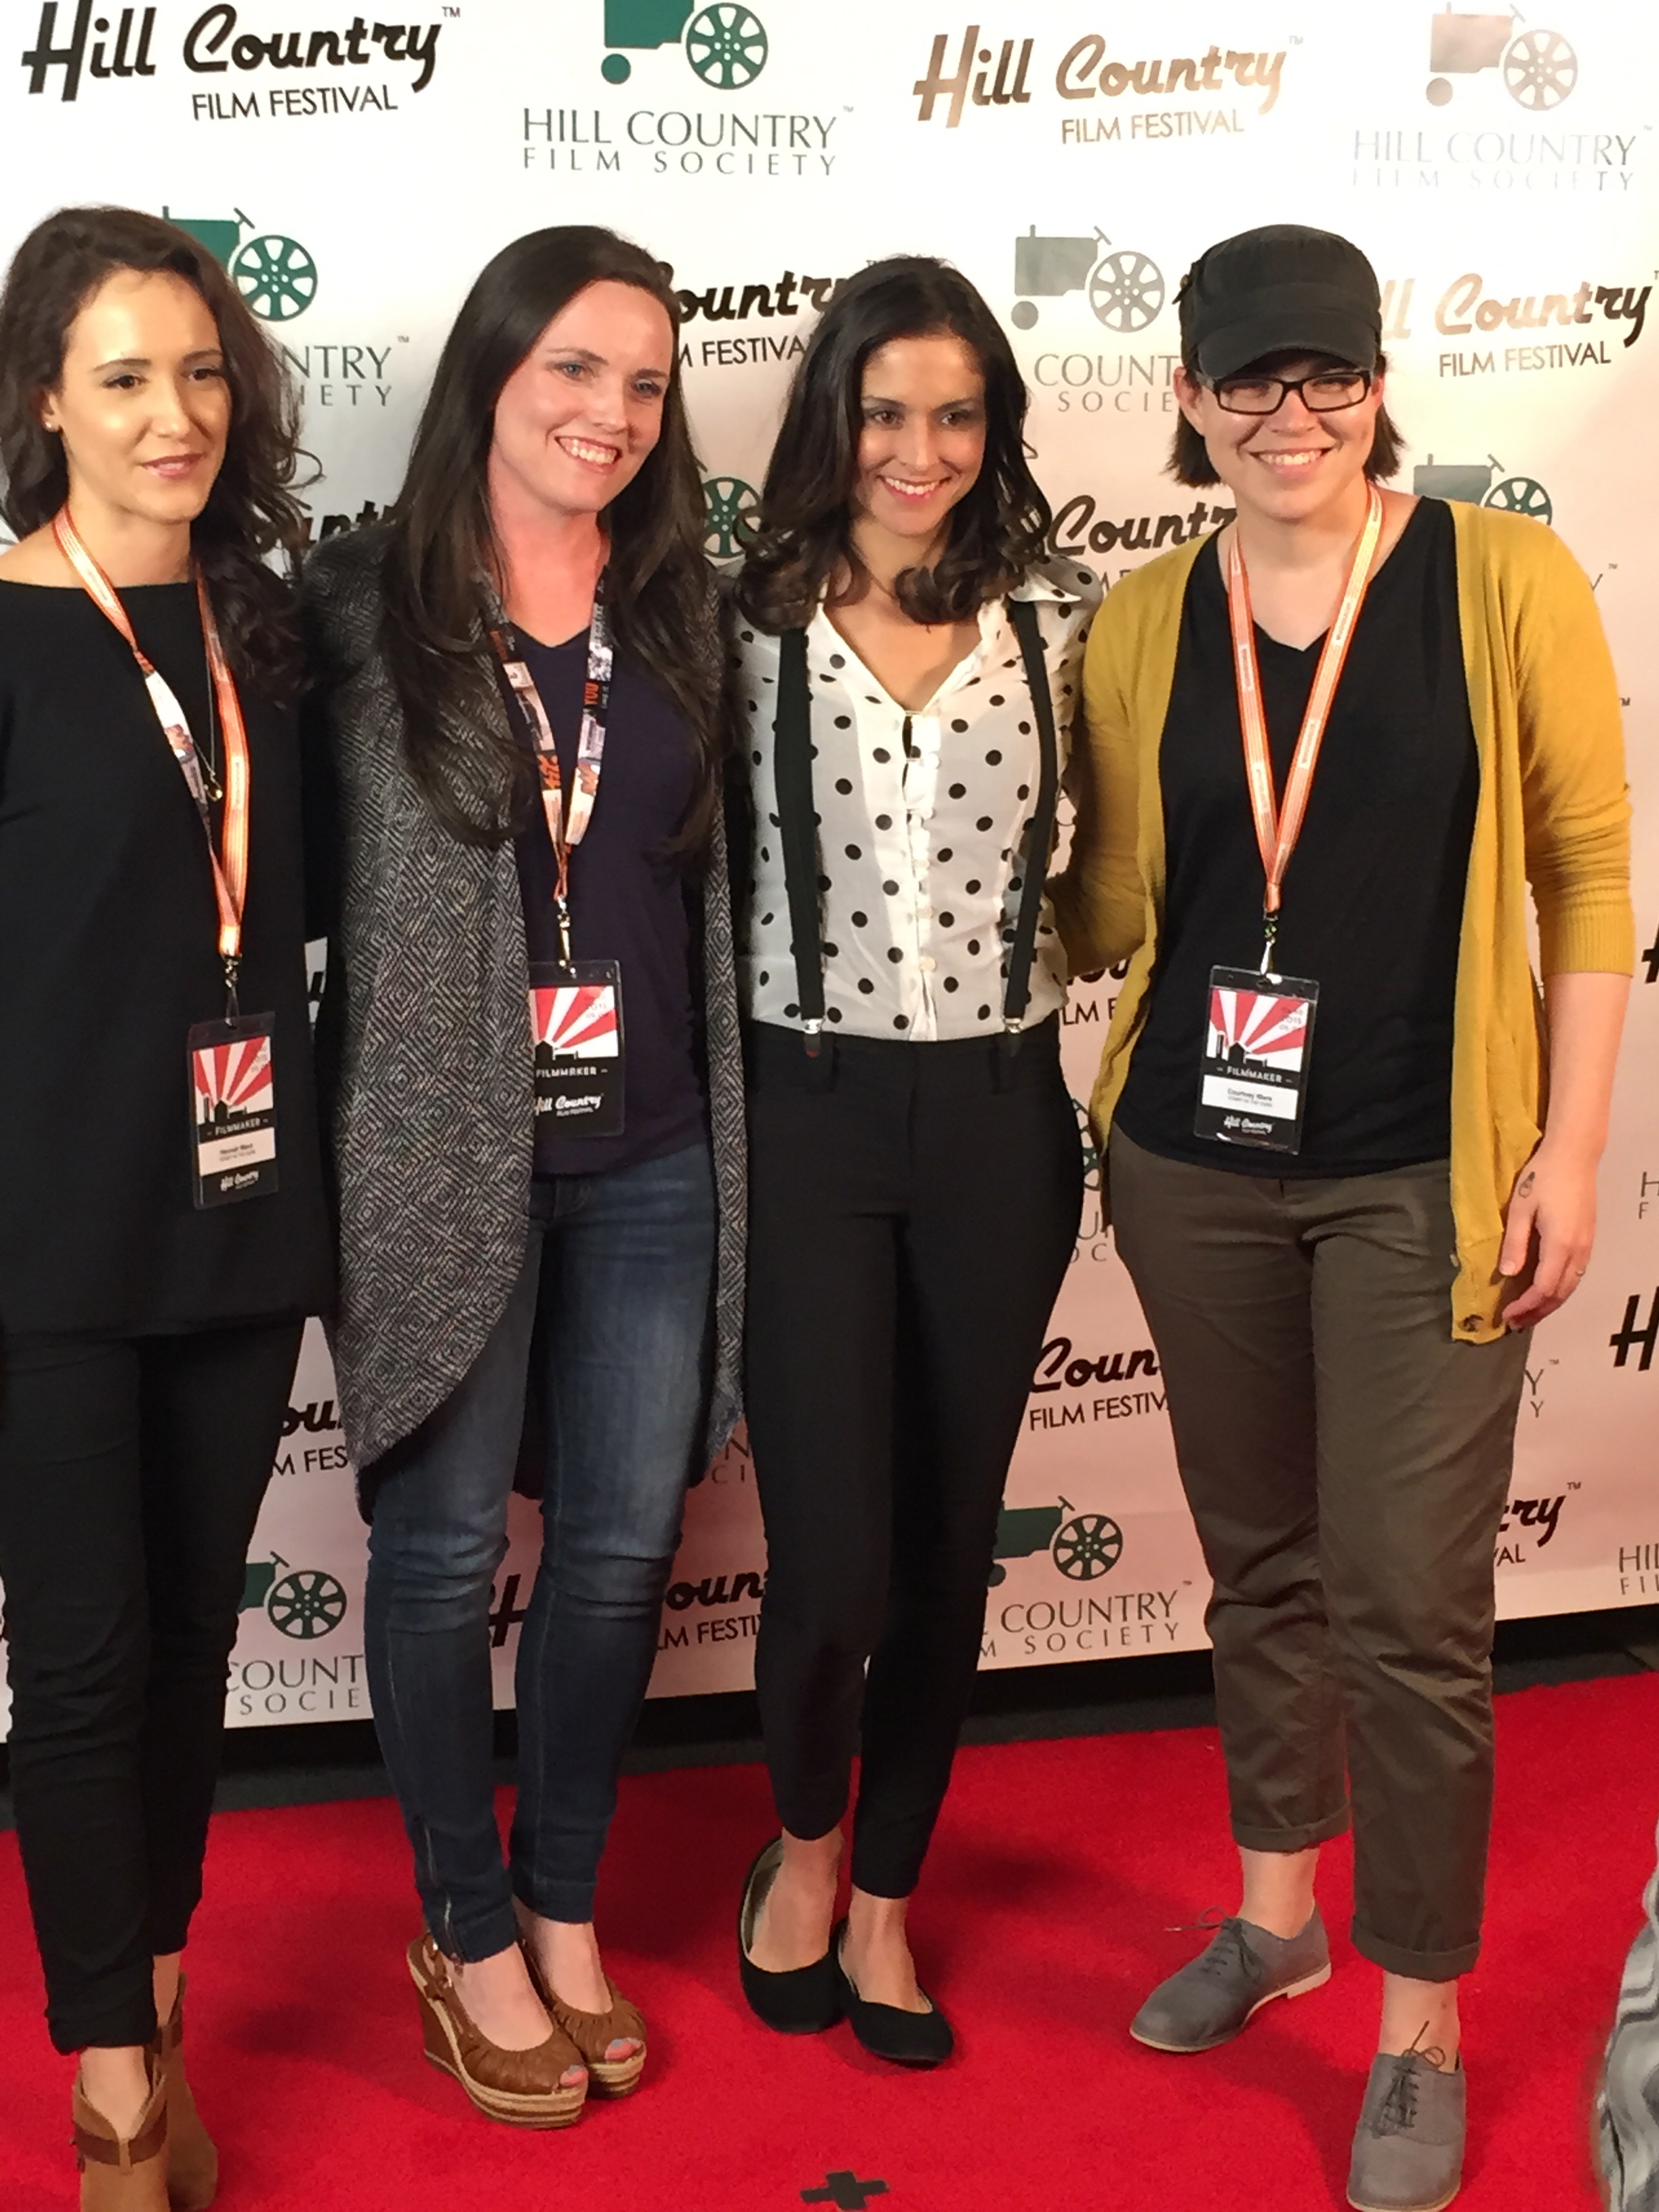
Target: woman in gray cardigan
[[530, 1042]]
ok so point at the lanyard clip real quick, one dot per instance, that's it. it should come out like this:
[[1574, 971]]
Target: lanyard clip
[[233, 968], [1270, 938], [561, 913]]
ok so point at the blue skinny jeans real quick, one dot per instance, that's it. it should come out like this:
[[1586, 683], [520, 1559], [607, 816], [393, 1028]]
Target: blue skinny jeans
[[613, 1301]]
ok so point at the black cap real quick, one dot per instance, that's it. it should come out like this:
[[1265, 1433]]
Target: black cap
[[1269, 290]]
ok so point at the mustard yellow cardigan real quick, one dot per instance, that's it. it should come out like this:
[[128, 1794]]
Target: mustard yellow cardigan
[[1554, 810]]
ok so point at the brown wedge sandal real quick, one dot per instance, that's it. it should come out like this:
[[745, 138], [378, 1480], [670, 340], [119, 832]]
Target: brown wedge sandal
[[192, 2159], [522, 2087], [123, 2174], [594, 2033]]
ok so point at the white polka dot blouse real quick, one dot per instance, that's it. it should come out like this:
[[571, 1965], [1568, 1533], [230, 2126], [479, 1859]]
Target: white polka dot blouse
[[924, 818]]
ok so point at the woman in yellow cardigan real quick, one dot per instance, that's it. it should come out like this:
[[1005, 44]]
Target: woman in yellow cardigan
[[1328, 748]]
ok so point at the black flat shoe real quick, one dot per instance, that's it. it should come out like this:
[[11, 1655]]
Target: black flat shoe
[[804, 2000], [908, 2039]]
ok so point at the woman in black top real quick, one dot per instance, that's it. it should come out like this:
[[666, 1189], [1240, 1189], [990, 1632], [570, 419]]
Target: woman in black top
[[156, 1266], [518, 683], [1336, 752]]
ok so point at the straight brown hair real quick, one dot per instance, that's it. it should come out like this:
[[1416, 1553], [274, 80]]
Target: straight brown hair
[[475, 773]]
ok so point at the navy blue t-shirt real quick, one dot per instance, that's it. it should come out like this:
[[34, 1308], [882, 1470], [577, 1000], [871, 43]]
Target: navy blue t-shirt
[[627, 904]]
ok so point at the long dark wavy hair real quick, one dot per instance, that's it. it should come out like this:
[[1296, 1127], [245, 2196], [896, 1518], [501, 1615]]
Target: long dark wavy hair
[[251, 508], [803, 540], [475, 773]]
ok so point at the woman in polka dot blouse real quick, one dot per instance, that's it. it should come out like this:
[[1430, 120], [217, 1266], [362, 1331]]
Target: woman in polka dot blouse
[[908, 663]]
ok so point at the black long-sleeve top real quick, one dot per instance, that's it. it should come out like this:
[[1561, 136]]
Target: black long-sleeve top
[[108, 955]]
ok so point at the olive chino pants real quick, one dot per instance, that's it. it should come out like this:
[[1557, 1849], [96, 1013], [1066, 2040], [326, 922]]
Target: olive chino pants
[[1347, 1464]]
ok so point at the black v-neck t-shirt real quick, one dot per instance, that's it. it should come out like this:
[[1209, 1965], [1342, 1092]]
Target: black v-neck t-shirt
[[108, 957], [1373, 896], [628, 903]]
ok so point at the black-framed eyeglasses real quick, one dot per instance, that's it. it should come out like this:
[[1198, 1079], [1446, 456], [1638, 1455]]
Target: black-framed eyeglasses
[[1325, 392]]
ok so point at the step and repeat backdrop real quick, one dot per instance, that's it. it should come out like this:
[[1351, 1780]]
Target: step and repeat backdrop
[[1501, 170]]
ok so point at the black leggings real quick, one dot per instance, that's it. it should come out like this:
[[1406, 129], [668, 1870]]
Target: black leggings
[[130, 1476], [911, 1220]]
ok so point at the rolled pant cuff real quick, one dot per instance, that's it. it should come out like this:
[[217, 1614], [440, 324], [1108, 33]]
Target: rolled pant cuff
[[570, 1901], [111, 2027], [1416, 1965], [1301, 1837]]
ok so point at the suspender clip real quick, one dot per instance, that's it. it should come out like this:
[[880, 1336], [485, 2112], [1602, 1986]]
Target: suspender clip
[[811, 1029]]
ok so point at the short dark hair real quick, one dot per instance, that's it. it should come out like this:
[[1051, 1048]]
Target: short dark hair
[[999, 529], [1189, 461], [441, 541], [251, 508]]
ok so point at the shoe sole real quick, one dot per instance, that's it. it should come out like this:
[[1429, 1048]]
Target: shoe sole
[[560, 2110], [1439, 2204], [1291, 1989], [618, 2077]]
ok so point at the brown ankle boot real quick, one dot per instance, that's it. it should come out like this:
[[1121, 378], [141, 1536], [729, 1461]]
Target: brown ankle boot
[[193, 2160], [123, 2174]]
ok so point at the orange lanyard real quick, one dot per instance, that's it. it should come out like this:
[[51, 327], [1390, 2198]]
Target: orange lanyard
[[230, 863], [1277, 828]]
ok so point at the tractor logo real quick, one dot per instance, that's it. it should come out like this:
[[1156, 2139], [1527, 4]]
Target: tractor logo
[[1483, 484], [1539, 68], [275, 275], [1125, 288], [731, 513], [305, 1602], [724, 43], [1084, 1547]]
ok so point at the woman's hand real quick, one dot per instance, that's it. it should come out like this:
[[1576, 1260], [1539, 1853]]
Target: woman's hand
[[1551, 1226]]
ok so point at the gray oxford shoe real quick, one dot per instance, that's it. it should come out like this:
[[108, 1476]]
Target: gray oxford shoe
[[1408, 2146], [1209, 1999]]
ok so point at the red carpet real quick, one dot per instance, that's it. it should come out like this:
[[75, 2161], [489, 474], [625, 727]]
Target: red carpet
[[1059, 1870]]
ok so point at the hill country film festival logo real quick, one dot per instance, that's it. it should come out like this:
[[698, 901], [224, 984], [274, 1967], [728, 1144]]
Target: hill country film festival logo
[[1235, 86], [221, 43]]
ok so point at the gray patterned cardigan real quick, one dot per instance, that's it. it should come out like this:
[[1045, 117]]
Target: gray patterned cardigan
[[424, 1046]]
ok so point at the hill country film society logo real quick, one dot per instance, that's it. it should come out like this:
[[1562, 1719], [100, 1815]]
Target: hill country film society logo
[[1124, 287], [1537, 67], [221, 43], [726, 45], [965, 74], [275, 275], [306, 1603]]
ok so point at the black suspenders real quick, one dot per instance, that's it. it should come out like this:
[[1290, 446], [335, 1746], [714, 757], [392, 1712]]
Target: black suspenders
[[793, 773]]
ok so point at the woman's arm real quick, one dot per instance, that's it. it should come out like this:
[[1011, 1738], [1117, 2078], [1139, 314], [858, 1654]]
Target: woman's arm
[[1098, 897], [1552, 1217]]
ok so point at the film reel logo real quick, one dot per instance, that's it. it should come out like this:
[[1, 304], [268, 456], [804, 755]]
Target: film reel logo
[[275, 275], [304, 1602], [726, 44], [1126, 288], [1483, 484], [731, 516], [1538, 67]]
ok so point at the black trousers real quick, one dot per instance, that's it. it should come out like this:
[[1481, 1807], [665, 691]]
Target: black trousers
[[912, 1208], [130, 1477]]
